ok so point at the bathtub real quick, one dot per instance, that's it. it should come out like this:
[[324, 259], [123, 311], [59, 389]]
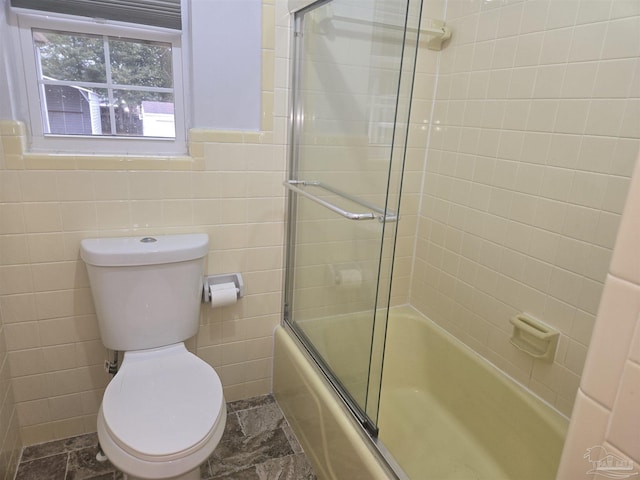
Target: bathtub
[[445, 413]]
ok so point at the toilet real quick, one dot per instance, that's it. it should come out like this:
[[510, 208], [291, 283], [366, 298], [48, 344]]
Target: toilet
[[163, 413]]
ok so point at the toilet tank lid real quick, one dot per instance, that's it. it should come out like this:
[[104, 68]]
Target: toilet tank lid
[[147, 250]]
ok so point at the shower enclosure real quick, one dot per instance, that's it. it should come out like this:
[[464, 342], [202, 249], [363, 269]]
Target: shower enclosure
[[352, 80], [527, 120]]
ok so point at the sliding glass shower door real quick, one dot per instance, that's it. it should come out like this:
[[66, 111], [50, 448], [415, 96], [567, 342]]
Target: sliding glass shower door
[[352, 77]]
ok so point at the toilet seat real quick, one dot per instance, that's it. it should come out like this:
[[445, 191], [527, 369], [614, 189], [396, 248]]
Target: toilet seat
[[163, 404]]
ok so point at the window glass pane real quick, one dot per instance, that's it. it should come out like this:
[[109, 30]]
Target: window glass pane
[[135, 62], [70, 56], [147, 114], [74, 110]]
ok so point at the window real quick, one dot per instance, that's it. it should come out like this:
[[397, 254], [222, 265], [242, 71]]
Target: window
[[100, 85], [97, 88]]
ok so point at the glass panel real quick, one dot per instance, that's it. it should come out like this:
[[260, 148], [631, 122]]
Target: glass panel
[[79, 91], [70, 56], [74, 110], [146, 64], [347, 79], [147, 114]]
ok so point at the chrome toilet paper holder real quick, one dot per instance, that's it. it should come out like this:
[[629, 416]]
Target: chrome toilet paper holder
[[209, 280]]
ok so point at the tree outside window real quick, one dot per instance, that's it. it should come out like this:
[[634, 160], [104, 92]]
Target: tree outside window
[[102, 85]]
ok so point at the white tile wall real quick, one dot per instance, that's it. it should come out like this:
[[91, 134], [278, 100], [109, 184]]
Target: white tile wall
[[534, 132], [605, 417]]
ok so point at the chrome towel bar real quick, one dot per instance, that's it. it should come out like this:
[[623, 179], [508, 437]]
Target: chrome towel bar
[[379, 213]]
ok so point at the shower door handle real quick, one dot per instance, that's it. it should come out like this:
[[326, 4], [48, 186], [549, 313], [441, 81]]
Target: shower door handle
[[380, 215]]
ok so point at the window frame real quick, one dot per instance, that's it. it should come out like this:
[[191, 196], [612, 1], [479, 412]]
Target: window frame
[[100, 145]]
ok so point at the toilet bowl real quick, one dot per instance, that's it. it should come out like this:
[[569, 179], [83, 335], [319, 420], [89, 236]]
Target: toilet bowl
[[163, 413]]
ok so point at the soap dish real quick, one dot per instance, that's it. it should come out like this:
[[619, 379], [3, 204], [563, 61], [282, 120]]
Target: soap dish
[[534, 337]]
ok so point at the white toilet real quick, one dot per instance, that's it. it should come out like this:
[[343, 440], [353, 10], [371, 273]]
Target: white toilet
[[163, 413]]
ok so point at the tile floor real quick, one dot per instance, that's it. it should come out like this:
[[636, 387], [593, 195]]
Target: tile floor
[[257, 444]]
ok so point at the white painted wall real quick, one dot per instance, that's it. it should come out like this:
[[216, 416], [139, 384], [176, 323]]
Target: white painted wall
[[226, 64]]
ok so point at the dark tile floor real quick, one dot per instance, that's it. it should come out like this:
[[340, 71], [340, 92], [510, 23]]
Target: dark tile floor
[[257, 444]]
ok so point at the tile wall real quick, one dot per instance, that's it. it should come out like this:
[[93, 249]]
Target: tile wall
[[490, 138], [10, 441], [535, 129], [605, 419], [229, 187]]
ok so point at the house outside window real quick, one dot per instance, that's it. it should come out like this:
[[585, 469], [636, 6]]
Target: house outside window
[[96, 88], [102, 81]]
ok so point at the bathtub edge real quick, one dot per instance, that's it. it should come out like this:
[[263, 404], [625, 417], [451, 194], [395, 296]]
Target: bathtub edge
[[333, 442]]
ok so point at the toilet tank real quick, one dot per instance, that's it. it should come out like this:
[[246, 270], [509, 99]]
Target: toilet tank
[[146, 290]]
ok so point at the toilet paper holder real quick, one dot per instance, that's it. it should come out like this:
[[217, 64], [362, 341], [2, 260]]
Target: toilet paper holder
[[209, 280]]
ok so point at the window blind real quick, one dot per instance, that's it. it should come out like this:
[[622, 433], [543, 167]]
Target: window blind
[[159, 13]]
